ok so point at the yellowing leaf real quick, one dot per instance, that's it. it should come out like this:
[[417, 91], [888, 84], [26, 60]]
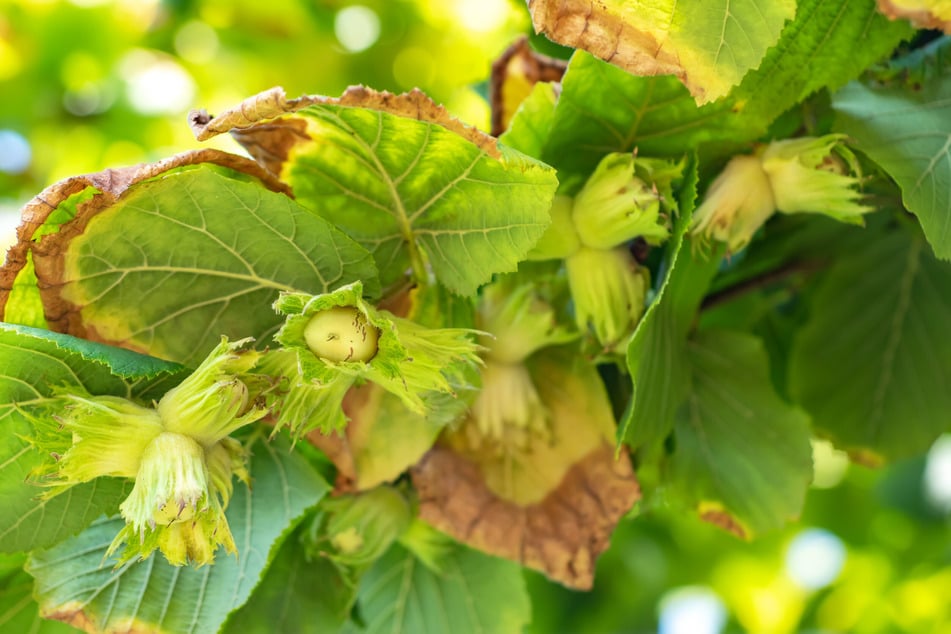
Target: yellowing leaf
[[552, 506], [708, 44], [165, 258]]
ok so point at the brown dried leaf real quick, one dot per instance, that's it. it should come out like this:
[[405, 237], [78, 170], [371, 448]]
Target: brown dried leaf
[[111, 185], [562, 535], [513, 75], [261, 123]]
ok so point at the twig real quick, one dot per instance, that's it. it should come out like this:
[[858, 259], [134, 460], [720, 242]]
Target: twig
[[759, 281]]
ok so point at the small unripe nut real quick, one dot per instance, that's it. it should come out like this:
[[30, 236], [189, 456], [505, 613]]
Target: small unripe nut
[[341, 333]]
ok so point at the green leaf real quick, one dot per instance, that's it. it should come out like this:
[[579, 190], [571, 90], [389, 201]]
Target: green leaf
[[531, 123], [742, 455], [34, 363], [180, 260], [656, 356], [19, 612], [603, 109], [403, 187], [75, 582], [474, 593], [297, 594], [719, 42], [873, 364], [818, 50], [119, 362], [906, 129]]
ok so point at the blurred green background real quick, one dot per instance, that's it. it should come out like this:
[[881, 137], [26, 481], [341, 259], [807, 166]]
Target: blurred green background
[[88, 84]]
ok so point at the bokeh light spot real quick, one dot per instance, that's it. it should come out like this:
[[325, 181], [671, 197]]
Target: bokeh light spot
[[357, 28], [482, 16], [937, 478], [829, 464], [196, 42], [156, 84], [691, 610], [9, 219], [815, 558], [10, 61], [15, 152]]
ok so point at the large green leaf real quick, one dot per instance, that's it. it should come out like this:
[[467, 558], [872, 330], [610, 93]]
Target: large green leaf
[[404, 188], [905, 127], [179, 260], [76, 583], [710, 45], [873, 364], [818, 50], [34, 363], [602, 109], [298, 593], [473, 593], [656, 356], [742, 455]]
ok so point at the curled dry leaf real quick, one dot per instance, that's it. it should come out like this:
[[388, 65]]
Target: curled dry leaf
[[110, 185], [551, 505], [513, 75], [260, 125]]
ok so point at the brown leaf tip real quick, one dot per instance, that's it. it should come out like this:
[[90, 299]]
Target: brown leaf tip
[[72, 614], [722, 519], [75, 614]]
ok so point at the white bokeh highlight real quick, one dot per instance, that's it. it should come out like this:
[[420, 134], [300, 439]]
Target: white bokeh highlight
[[937, 476], [15, 152], [357, 28], [815, 558], [691, 610]]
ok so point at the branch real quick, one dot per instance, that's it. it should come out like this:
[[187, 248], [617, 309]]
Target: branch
[[761, 280]]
